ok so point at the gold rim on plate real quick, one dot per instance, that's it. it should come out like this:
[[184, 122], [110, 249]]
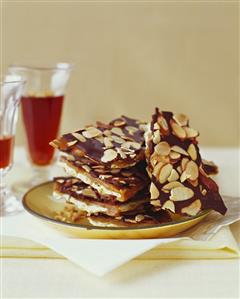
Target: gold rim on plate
[[39, 203]]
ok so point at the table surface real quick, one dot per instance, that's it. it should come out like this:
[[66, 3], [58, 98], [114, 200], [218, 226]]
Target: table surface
[[48, 278]]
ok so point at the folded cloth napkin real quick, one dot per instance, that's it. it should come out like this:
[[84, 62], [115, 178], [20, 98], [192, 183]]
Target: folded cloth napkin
[[221, 246], [211, 238]]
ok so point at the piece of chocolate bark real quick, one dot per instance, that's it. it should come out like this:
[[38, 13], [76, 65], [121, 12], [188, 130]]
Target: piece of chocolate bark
[[89, 200], [179, 182], [118, 144], [120, 183]]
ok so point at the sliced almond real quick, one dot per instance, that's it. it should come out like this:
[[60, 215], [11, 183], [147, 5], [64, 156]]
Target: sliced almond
[[172, 185], [139, 218], [100, 139], [154, 191], [178, 131], [162, 148], [117, 131], [192, 170], [181, 193], [193, 209], [192, 151], [193, 183], [169, 205], [129, 144], [107, 133], [117, 139], [204, 192], [107, 142], [174, 155], [121, 153], [109, 155], [165, 173], [184, 176], [174, 176], [179, 150], [184, 163], [156, 126], [191, 133], [91, 132], [155, 203], [131, 130], [79, 137], [119, 122], [163, 123], [157, 169], [71, 143], [181, 119], [156, 137]]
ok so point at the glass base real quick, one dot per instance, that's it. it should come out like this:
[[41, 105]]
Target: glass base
[[9, 204], [41, 175]]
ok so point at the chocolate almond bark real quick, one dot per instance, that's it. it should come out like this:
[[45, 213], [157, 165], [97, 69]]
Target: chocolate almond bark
[[118, 144], [179, 182]]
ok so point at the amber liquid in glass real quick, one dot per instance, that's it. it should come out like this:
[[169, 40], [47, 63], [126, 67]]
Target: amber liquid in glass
[[41, 116], [6, 150]]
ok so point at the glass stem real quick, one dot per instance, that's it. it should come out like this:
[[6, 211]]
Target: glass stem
[[41, 174], [3, 186]]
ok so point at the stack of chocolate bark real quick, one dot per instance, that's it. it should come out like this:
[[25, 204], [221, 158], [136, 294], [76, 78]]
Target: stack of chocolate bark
[[128, 172], [107, 173]]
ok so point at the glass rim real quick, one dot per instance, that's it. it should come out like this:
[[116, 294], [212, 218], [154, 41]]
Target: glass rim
[[68, 66]]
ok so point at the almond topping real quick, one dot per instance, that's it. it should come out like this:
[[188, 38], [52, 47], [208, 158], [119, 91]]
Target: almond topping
[[128, 144], [173, 176], [162, 148], [190, 132], [71, 143], [164, 173], [172, 185], [192, 151], [174, 155], [107, 133], [192, 170], [119, 123], [107, 142], [169, 205], [184, 176], [156, 137], [117, 131], [154, 191], [121, 153], [131, 129], [139, 218], [117, 139], [193, 208], [155, 203], [181, 193], [91, 132], [79, 137], [157, 169], [109, 155], [163, 124], [156, 126], [178, 131], [181, 119], [179, 150], [184, 163]]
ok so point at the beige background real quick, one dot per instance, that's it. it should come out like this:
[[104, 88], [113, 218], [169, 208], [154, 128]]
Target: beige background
[[131, 57]]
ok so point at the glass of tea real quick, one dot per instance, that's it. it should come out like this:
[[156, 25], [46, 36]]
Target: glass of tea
[[41, 104], [10, 95]]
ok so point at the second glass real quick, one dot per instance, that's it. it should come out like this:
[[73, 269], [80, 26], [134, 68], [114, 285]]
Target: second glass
[[42, 103]]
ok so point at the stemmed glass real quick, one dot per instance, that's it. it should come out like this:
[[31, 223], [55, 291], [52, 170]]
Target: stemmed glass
[[42, 103], [11, 90]]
